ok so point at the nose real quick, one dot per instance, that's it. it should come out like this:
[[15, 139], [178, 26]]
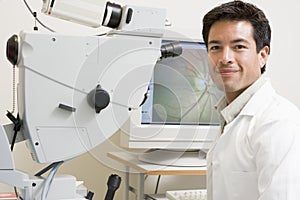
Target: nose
[[226, 56]]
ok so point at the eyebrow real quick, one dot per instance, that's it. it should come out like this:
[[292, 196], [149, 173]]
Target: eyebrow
[[214, 42], [232, 42]]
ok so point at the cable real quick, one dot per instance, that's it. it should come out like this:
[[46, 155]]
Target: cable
[[17, 194], [37, 19], [157, 183], [40, 173], [49, 180], [14, 90], [42, 24]]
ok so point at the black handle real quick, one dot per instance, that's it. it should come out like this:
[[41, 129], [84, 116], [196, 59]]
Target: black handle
[[113, 184]]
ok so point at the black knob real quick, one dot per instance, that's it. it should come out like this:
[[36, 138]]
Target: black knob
[[12, 49], [98, 99]]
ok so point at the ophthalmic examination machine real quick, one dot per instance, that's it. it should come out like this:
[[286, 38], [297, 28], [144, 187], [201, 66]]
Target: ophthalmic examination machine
[[74, 92]]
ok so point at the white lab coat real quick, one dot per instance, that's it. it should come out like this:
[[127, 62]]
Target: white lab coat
[[257, 157]]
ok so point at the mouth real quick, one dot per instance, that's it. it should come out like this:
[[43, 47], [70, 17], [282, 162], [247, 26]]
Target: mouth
[[226, 71]]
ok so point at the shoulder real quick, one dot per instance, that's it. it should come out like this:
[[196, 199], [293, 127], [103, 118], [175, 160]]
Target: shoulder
[[278, 109], [267, 105], [275, 119]]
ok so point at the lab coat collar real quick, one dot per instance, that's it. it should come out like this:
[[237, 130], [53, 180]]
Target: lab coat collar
[[231, 111], [255, 104]]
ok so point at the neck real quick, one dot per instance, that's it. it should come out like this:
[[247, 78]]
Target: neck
[[231, 96]]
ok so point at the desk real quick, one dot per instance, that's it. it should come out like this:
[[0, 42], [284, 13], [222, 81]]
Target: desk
[[130, 162], [8, 196]]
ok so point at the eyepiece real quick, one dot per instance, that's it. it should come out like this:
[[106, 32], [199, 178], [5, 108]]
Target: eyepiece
[[171, 50]]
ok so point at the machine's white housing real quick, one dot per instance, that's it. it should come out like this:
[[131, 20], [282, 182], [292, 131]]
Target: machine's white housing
[[57, 69], [87, 12], [90, 13], [137, 25], [56, 74]]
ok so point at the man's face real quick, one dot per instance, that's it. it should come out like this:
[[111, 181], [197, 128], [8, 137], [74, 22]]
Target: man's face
[[233, 61]]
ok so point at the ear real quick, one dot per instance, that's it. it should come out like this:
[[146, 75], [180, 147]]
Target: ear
[[263, 56]]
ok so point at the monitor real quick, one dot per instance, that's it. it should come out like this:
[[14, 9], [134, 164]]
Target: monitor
[[177, 123]]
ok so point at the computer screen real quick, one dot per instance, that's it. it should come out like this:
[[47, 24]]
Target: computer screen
[[181, 91], [178, 113]]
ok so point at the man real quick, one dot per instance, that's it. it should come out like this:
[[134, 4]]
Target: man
[[257, 156]]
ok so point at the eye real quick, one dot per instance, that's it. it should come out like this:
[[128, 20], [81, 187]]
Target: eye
[[238, 47], [214, 48]]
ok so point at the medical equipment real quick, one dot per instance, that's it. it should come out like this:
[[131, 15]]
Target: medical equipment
[[76, 91]]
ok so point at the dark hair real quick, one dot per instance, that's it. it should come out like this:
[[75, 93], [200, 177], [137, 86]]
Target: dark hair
[[240, 11]]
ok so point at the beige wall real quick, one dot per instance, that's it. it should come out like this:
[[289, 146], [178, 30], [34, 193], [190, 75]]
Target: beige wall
[[185, 16]]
